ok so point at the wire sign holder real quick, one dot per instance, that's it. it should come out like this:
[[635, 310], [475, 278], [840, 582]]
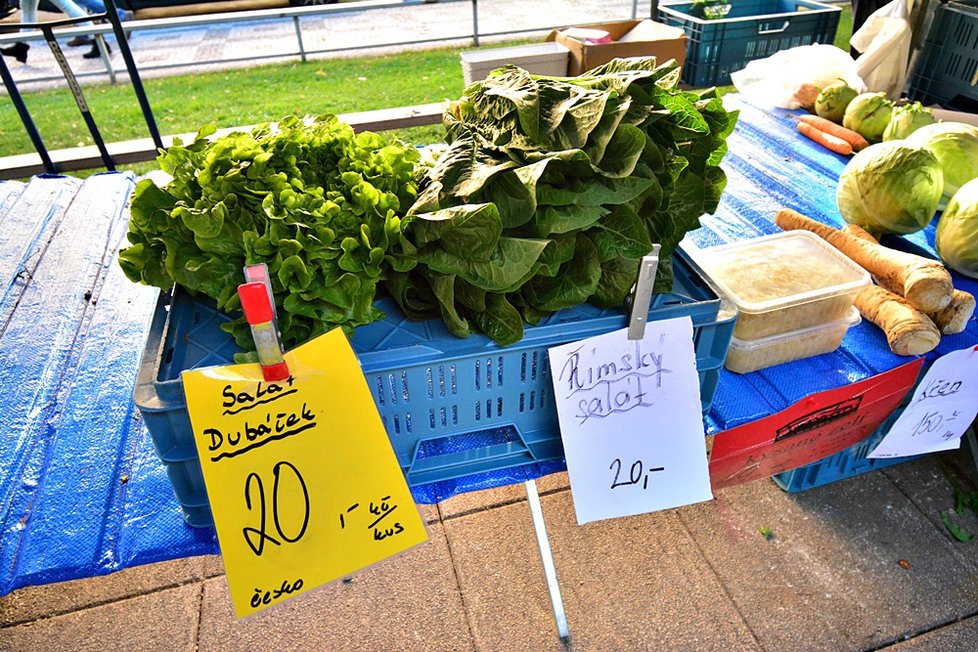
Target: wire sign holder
[[637, 305]]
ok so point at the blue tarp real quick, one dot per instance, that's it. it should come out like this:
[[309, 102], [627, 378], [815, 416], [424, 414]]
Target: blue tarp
[[83, 491]]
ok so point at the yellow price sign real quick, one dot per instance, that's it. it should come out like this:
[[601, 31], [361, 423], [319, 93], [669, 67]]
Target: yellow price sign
[[301, 477]]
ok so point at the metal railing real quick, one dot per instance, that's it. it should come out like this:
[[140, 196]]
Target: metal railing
[[132, 151], [293, 14], [47, 32]]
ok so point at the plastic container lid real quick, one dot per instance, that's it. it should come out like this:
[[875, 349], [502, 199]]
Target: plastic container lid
[[781, 270]]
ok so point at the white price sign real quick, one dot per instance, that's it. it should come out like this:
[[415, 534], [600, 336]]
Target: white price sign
[[943, 406], [631, 421]]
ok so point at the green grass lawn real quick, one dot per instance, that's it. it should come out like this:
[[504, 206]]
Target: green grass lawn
[[184, 103]]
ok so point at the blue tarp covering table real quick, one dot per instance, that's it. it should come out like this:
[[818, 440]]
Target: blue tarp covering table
[[83, 492]]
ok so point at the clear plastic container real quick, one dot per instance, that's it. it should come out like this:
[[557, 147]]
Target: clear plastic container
[[745, 356], [784, 282]]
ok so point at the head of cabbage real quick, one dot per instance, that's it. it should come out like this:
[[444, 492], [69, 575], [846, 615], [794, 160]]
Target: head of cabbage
[[957, 231], [868, 114], [907, 119], [890, 187], [955, 145]]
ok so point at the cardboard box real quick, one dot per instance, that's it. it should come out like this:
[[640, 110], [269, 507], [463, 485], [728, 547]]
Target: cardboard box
[[655, 39]]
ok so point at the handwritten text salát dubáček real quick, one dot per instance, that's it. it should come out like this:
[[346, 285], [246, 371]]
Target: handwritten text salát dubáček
[[261, 423]]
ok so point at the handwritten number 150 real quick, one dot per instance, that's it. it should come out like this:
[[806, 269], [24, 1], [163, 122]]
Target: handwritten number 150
[[256, 537]]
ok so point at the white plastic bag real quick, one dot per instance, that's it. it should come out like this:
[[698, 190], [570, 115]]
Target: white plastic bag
[[883, 42], [793, 78]]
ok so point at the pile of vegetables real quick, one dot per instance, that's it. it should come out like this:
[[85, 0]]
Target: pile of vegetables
[[913, 300], [549, 193], [317, 203], [552, 190], [915, 167]]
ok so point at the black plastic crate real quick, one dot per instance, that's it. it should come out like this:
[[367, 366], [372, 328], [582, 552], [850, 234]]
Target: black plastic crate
[[946, 71]]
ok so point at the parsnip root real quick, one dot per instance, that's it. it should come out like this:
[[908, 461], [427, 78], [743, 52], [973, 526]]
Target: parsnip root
[[908, 331], [953, 318], [950, 320], [924, 283]]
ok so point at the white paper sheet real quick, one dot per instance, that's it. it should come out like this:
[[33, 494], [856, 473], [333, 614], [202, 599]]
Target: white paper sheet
[[631, 422], [943, 405]]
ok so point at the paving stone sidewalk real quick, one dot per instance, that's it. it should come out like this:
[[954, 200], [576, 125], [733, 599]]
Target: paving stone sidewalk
[[861, 564]]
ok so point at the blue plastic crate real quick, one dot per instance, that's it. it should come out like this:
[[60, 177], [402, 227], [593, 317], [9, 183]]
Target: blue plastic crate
[[845, 464], [452, 407], [946, 71], [753, 29]]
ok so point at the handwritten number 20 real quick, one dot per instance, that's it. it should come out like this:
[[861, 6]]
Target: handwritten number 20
[[634, 474], [256, 537]]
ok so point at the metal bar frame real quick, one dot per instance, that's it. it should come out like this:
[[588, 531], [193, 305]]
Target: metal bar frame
[[47, 32], [547, 558], [25, 118]]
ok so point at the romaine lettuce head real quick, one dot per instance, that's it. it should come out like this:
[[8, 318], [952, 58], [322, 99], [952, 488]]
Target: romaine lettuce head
[[868, 114], [955, 145], [957, 231], [907, 119], [890, 187]]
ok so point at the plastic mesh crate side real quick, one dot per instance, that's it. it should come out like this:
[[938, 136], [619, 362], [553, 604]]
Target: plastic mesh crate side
[[451, 408], [753, 30], [198, 515], [187, 480], [948, 63], [844, 464]]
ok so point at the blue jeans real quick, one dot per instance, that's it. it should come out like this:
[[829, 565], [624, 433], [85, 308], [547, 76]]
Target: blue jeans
[[29, 9], [98, 7]]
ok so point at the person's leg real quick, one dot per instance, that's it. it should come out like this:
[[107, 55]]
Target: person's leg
[[71, 8], [18, 51], [98, 7], [28, 9]]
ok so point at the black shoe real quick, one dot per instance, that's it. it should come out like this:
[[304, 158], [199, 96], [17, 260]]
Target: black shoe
[[79, 41], [17, 51], [94, 52]]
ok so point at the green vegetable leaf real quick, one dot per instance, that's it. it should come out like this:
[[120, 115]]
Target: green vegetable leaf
[[512, 259], [623, 151], [599, 191], [618, 275], [621, 234], [501, 320], [575, 283], [565, 219], [468, 230]]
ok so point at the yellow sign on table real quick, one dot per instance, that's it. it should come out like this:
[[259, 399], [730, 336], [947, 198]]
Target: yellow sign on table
[[301, 477]]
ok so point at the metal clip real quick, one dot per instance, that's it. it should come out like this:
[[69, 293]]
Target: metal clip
[[642, 294]]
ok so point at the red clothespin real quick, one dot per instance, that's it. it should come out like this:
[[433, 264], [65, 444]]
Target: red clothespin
[[259, 312]]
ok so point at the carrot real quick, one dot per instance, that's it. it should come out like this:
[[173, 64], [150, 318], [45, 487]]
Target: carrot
[[953, 318], [853, 138], [922, 281], [908, 331], [824, 139]]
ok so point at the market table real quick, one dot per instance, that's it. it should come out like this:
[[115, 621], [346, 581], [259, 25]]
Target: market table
[[84, 492]]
